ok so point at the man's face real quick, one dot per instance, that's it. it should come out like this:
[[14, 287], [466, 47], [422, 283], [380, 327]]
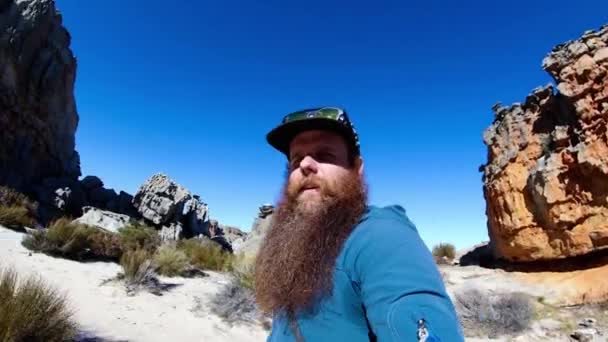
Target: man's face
[[323, 199], [318, 163]]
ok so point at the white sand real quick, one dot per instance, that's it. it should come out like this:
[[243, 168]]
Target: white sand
[[105, 311]]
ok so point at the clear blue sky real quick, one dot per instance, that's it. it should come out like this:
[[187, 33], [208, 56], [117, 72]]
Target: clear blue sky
[[190, 88]]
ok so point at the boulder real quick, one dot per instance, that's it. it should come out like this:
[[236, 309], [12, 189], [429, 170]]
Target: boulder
[[167, 204], [100, 197], [230, 234], [103, 219], [91, 182], [546, 178]]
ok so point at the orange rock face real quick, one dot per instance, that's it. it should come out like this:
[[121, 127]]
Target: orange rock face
[[546, 180]]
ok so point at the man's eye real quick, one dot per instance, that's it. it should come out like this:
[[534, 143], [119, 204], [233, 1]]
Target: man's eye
[[294, 163], [325, 156]]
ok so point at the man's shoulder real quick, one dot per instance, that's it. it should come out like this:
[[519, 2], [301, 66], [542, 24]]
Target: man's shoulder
[[379, 227], [377, 219]]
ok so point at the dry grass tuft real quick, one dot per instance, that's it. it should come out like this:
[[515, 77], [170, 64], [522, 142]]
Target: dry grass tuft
[[136, 236], [206, 254], [170, 262], [30, 310]]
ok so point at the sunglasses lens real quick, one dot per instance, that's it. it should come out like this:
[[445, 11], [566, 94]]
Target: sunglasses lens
[[327, 113]]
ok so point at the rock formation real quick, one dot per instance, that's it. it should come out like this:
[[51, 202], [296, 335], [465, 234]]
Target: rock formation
[[546, 179], [38, 117], [168, 205], [107, 220], [226, 235], [251, 244]]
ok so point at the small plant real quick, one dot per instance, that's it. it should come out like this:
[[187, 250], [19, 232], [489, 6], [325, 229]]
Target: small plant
[[206, 254], [136, 236], [36, 241], [136, 266], [497, 315], [235, 303], [15, 217], [446, 250], [170, 261], [75, 241], [30, 310]]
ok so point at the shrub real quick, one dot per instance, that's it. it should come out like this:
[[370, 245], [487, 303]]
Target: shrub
[[136, 236], [15, 217], [170, 261], [444, 250], [32, 311], [235, 303], [35, 242], [136, 266], [206, 254], [75, 241], [16, 209], [497, 315], [11, 198]]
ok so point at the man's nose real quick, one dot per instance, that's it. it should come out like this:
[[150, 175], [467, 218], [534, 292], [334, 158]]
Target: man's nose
[[308, 165]]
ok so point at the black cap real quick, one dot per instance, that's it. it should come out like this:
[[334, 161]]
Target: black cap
[[325, 118]]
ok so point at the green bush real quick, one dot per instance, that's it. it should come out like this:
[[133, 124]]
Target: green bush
[[15, 217], [136, 236], [206, 254], [30, 310], [444, 250], [136, 266], [170, 261], [75, 241]]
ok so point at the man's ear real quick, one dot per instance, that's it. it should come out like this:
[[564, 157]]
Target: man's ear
[[359, 165]]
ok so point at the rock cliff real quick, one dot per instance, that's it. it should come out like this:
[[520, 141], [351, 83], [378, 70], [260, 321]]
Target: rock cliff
[[546, 179]]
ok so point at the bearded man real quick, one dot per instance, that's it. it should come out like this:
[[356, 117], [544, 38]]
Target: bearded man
[[332, 267]]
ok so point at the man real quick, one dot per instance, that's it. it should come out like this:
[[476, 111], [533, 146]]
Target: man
[[332, 267]]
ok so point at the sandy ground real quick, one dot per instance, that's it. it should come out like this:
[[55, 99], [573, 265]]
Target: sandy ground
[[106, 312]]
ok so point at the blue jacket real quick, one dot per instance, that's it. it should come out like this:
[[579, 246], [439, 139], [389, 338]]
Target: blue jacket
[[386, 288]]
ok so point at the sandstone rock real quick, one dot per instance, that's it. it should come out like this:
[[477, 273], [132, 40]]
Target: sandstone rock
[[169, 205], [37, 108], [546, 179], [103, 219]]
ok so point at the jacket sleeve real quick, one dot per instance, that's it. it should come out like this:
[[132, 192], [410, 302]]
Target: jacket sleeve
[[400, 286]]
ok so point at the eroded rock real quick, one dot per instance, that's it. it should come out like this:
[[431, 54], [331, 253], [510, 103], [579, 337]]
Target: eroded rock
[[546, 179]]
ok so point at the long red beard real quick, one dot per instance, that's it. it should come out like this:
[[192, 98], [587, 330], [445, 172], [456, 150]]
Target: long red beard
[[295, 265]]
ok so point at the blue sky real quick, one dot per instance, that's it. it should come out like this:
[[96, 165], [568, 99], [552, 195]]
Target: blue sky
[[190, 88]]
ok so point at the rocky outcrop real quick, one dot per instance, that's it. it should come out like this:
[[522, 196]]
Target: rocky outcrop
[[252, 243], [38, 116], [546, 179], [168, 205], [226, 235]]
